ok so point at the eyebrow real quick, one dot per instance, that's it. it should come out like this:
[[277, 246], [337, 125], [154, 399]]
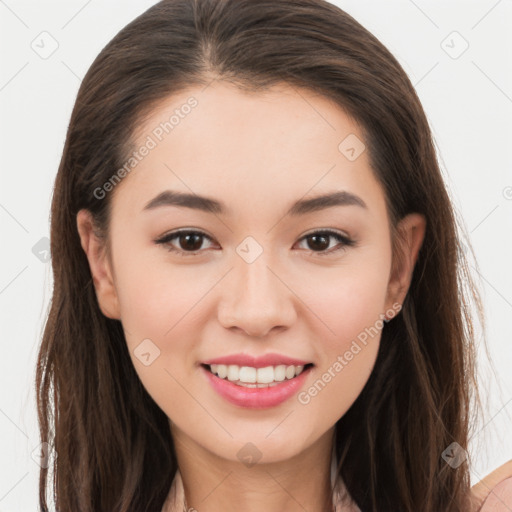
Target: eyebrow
[[210, 205]]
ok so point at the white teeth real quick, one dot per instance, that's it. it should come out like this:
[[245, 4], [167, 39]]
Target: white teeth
[[222, 370], [290, 372], [247, 374], [233, 372], [264, 375], [253, 377], [280, 373]]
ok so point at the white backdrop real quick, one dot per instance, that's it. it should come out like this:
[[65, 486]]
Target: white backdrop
[[457, 53]]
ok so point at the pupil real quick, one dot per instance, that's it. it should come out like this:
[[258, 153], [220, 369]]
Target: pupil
[[323, 246], [193, 246]]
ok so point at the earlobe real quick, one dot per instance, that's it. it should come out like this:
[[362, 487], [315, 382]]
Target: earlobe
[[410, 235], [99, 264]]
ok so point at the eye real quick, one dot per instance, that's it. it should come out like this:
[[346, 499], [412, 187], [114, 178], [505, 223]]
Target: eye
[[189, 241], [319, 241]]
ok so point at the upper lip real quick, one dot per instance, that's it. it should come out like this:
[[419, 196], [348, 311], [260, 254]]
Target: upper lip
[[256, 362]]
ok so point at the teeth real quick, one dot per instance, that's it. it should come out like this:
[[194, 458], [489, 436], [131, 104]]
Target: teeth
[[221, 369], [253, 377]]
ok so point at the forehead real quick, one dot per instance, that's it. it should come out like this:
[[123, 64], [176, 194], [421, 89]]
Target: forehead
[[251, 149]]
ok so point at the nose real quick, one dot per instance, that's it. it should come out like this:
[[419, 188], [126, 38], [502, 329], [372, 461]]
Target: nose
[[256, 299]]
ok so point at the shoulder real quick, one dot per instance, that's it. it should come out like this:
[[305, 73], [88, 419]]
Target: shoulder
[[494, 492]]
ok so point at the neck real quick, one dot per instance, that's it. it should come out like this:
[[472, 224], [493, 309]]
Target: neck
[[214, 484]]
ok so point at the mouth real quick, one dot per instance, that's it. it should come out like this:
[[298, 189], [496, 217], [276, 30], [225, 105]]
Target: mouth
[[256, 388], [251, 377]]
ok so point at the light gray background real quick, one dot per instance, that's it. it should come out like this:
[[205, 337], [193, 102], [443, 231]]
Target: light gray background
[[468, 100]]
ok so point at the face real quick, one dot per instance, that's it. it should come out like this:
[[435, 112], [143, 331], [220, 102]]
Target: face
[[261, 271]]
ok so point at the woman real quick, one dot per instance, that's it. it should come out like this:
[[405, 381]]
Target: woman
[[257, 272]]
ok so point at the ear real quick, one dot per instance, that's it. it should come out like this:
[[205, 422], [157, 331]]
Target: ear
[[410, 235], [100, 265]]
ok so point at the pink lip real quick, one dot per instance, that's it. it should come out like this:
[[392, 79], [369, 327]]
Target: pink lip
[[257, 362], [256, 398]]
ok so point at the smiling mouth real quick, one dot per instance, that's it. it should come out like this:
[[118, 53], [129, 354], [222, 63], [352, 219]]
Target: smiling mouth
[[250, 377]]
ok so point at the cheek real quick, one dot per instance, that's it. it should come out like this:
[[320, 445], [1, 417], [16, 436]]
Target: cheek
[[160, 308], [350, 307], [159, 312], [348, 299], [346, 358], [156, 298]]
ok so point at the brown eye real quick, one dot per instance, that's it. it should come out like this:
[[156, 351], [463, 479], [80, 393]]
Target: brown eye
[[320, 241], [188, 242]]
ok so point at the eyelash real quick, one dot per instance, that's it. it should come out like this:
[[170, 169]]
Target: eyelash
[[342, 239]]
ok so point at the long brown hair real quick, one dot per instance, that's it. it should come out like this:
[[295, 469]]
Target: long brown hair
[[113, 443]]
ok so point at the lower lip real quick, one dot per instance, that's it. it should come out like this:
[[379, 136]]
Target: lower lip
[[256, 398]]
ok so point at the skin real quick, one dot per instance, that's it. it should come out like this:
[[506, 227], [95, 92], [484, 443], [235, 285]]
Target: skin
[[257, 153], [493, 489]]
